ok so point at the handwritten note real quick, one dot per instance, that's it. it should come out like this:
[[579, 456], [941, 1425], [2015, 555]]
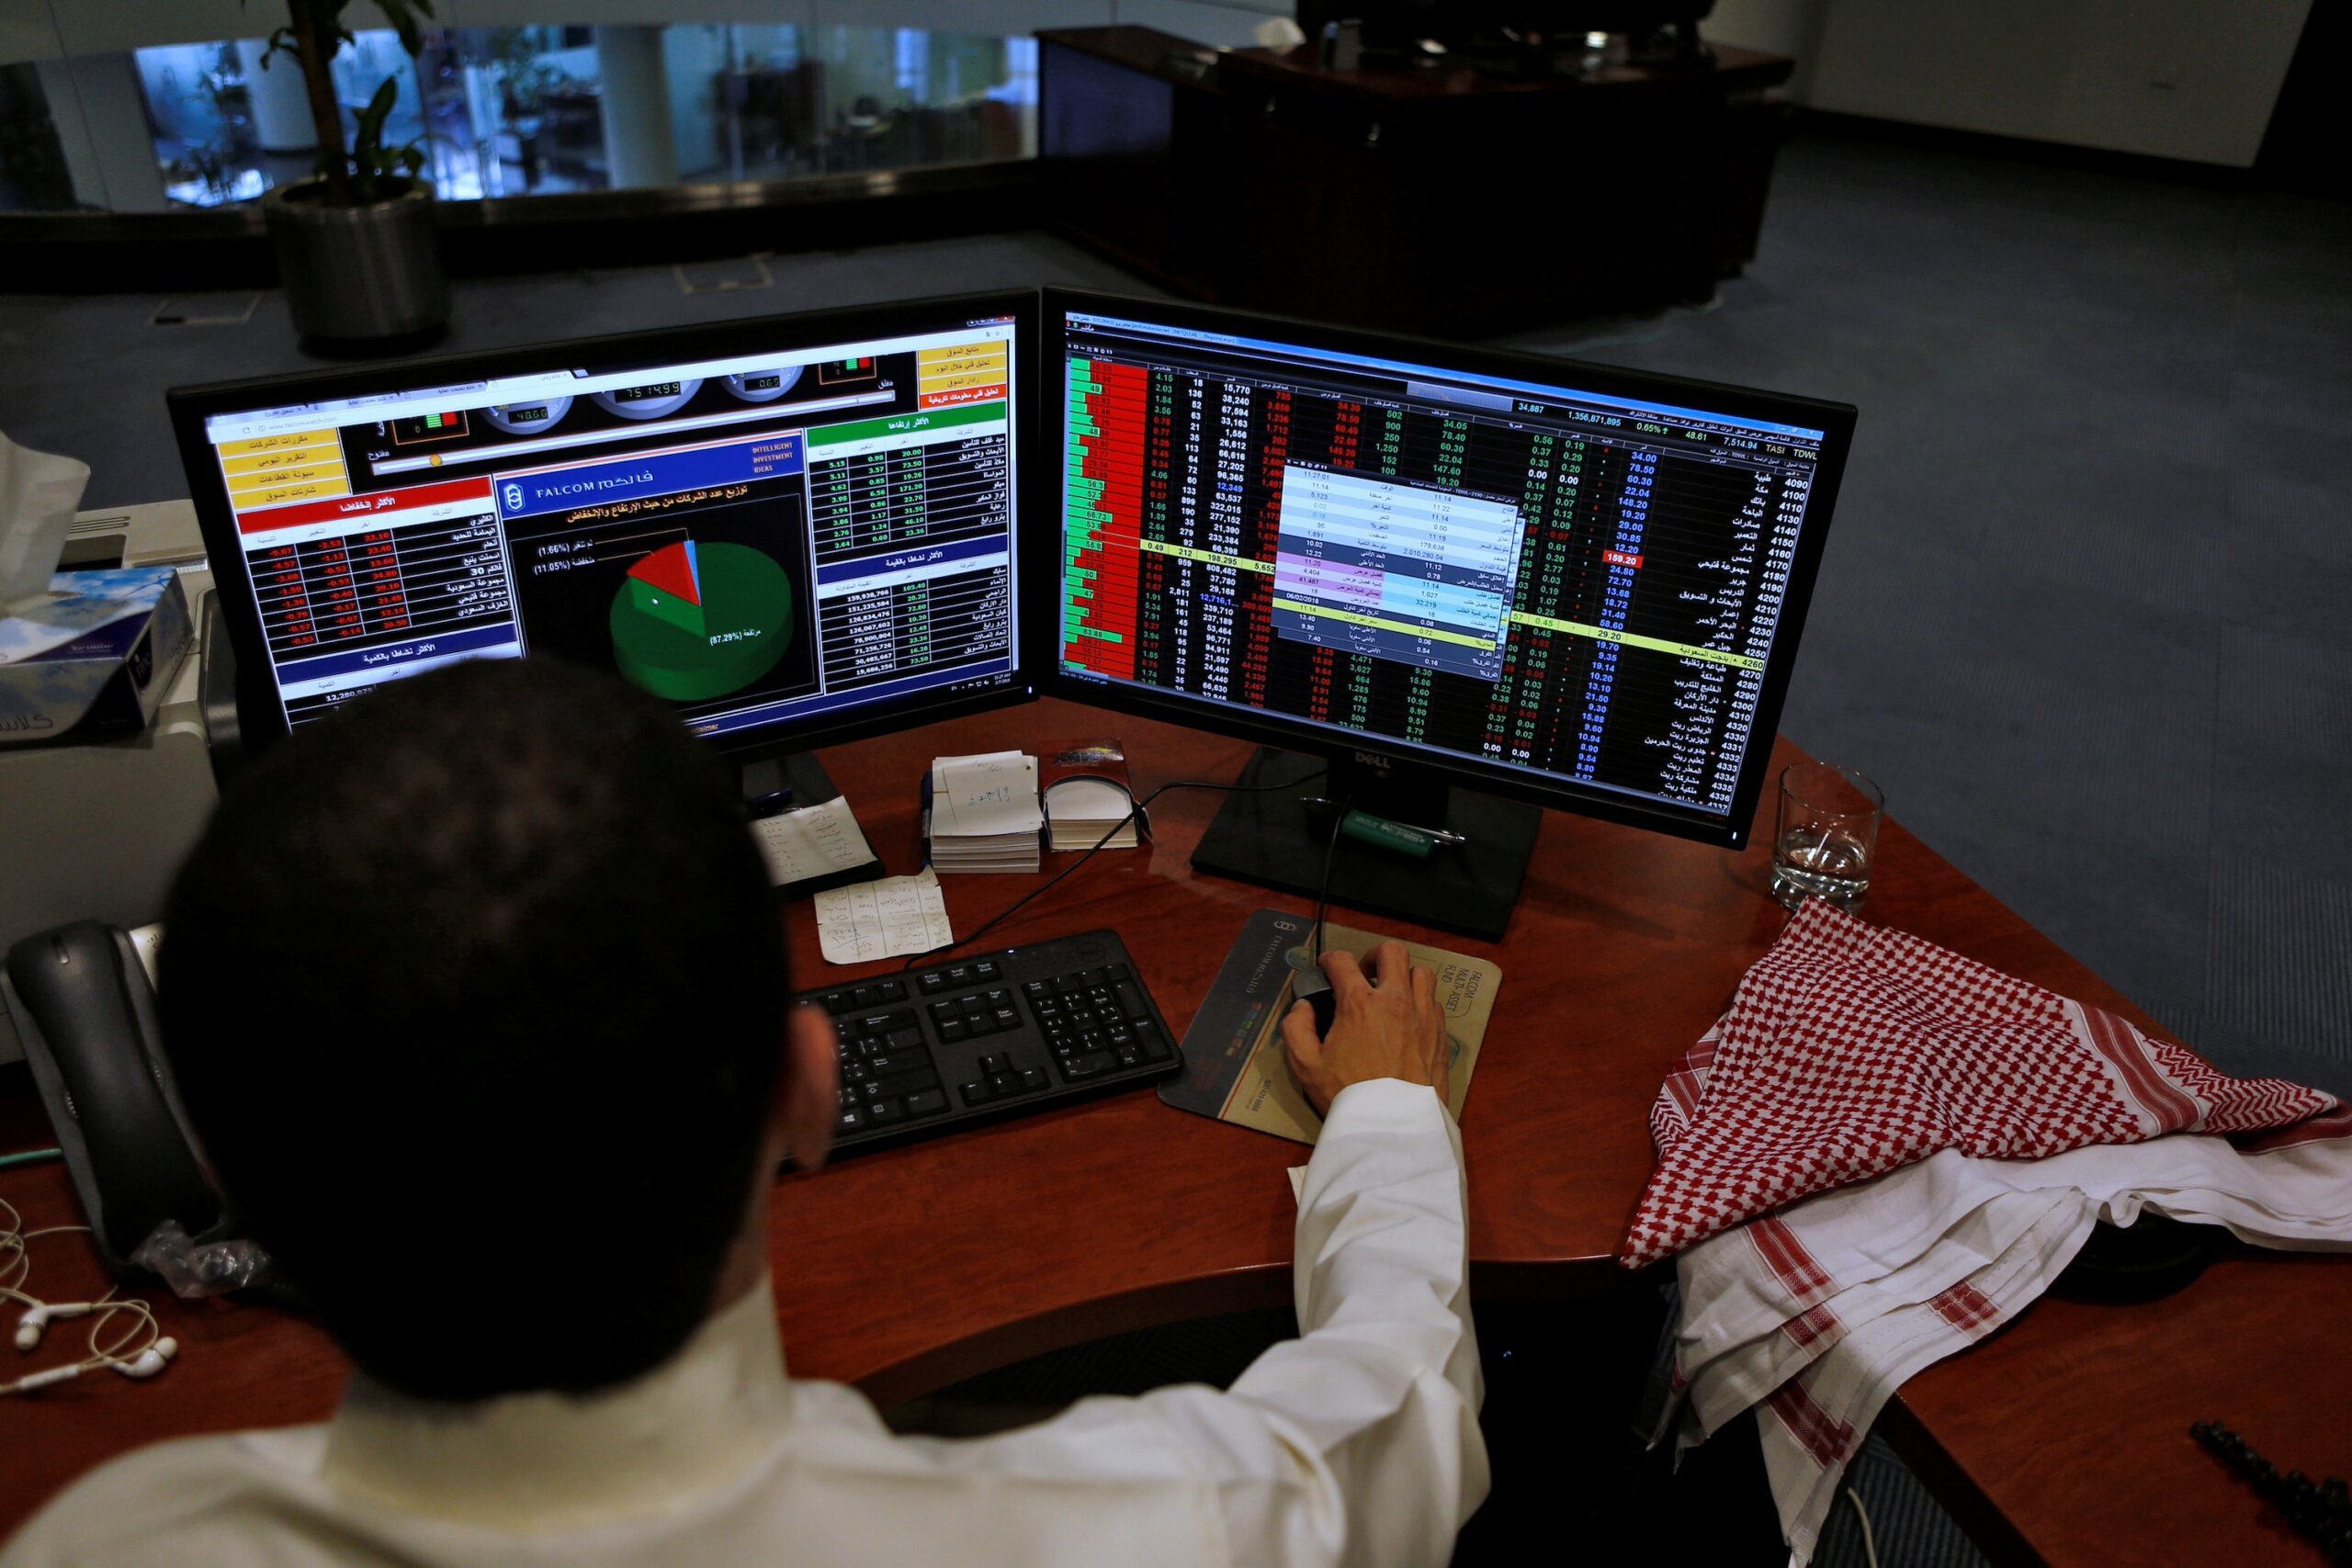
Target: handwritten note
[[882, 919], [815, 840], [994, 792]]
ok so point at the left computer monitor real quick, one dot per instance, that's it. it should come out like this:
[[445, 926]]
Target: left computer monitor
[[794, 529]]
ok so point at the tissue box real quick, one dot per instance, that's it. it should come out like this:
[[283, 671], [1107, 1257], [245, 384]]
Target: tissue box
[[98, 656]]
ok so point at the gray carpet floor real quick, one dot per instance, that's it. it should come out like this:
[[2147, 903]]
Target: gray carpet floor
[[2087, 608], [2082, 610]]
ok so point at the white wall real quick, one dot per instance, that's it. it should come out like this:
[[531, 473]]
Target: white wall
[[1782, 26], [89, 27], [111, 157], [692, 58], [2190, 79], [1224, 24], [281, 104], [26, 32], [1778, 26], [636, 107]]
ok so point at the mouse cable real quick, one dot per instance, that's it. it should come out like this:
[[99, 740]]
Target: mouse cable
[[1323, 888], [30, 1157], [1137, 814]]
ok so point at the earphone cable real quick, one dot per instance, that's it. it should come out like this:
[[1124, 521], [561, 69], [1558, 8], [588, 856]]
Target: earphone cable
[[112, 1341]]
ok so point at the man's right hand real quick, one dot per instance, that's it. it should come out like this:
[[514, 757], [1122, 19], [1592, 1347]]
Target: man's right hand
[[1391, 1028]]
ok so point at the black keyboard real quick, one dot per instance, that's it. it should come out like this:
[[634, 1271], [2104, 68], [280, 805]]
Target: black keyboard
[[1003, 1034]]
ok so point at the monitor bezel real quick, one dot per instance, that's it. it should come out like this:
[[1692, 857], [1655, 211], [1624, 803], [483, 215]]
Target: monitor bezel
[[1834, 419], [263, 718]]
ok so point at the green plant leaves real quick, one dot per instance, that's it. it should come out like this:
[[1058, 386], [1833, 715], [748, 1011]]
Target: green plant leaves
[[367, 165]]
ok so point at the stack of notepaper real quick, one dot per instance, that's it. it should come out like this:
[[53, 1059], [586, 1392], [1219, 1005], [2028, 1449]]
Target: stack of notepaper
[[983, 812], [1089, 803], [1092, 813]]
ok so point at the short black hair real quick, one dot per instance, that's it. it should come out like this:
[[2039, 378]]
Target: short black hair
[[475, 994]]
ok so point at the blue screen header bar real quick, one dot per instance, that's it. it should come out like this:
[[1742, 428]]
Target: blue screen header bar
[[1408, 369]]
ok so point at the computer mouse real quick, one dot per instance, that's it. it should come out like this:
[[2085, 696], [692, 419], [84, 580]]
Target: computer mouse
[[1310, 986]]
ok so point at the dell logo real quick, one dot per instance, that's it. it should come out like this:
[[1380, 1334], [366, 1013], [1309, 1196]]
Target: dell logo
[[1376, 762]]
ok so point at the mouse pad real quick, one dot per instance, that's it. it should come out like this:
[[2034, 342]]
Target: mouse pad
[[1234, 1068]]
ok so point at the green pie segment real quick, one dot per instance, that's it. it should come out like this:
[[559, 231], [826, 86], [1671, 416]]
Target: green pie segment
[[663, 605], [695, 621]]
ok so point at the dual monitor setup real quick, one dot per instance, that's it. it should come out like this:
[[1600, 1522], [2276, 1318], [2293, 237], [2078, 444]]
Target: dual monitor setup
[[1448, 585]]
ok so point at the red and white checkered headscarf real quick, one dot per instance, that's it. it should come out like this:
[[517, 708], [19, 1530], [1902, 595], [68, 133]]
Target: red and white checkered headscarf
[[1850, 1049]]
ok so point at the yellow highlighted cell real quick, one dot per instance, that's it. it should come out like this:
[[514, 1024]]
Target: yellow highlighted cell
[[286, 458], [961, 379], [975, 354], [282, 494], [1634, 639], [278, 442], [1381, 623], [1211, 557], [303, 473]]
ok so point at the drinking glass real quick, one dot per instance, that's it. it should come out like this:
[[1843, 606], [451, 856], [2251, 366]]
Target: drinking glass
[[1828, 834]]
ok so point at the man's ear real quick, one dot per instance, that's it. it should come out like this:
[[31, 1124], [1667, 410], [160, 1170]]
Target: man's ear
[[807, 1091]]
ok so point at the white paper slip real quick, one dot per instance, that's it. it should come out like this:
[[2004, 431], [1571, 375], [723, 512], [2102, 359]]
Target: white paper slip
[[1088, 800], [867, 921], [993, 793], [813, 842], [1298, 1184]]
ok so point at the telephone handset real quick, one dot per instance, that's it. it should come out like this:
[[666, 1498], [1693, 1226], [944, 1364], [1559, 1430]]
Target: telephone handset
[[84, 1003]]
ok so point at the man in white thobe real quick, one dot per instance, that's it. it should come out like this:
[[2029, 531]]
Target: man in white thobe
[[528, 1390]]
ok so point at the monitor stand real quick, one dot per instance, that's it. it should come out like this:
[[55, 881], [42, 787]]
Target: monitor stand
[[1276, 839], [784, 783]]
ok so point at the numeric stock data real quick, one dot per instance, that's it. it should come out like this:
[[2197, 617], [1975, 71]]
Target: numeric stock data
[[1555, 582]]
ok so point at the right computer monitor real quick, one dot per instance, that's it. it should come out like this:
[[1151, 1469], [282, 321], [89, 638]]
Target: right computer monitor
[[1415, 566]]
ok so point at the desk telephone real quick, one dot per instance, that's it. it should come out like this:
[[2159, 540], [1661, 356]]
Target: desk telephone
[[84, 999]]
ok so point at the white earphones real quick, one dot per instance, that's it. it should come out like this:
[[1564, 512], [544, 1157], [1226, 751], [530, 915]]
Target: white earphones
[[150, 1361], [37, 1317], [141, 1349]]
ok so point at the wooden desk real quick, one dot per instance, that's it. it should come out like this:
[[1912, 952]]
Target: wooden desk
[[904, 1270]]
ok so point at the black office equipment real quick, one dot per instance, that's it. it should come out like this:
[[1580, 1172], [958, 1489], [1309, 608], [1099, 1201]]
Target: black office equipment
[[86, 1016], [1519, 35], [795, 531], [1464, 584], [1461, 579], [1000, 1034], [1314, 987]]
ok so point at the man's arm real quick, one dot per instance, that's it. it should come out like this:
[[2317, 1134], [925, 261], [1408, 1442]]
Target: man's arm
[[1380, 1396], [1357, 1443], [1372, 1417]]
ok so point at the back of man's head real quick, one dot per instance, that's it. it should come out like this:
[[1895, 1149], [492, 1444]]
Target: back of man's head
[[475, 994]]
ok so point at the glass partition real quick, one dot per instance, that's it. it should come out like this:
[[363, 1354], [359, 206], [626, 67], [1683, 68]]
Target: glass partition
[[177, 105]]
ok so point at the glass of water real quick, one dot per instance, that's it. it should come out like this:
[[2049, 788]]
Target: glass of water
[[1827, 835]]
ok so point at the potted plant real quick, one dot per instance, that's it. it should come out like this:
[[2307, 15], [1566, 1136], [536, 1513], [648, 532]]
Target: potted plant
[[355, 245]]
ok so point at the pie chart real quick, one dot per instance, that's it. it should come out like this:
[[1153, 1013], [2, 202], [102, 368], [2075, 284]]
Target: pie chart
[[695, 621]]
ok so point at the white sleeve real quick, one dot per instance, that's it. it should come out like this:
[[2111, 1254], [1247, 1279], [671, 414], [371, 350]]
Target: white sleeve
[[1357, 1443]]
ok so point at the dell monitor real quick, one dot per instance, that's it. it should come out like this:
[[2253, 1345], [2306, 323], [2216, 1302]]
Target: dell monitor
[[1443, 585], [791, 530]]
